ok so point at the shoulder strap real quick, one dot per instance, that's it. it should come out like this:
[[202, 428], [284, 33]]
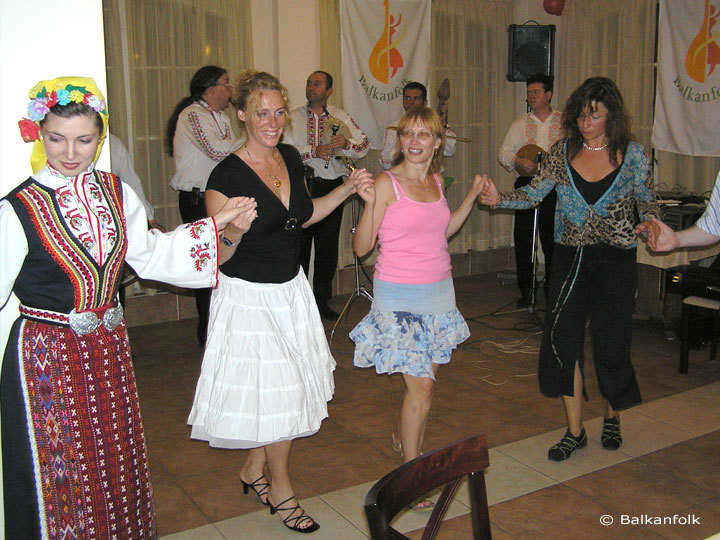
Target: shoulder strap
[[399, 193]]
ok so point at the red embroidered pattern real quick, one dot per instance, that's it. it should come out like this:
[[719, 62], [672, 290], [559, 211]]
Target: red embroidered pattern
[[87, 433], [93, 286], [196, 128]]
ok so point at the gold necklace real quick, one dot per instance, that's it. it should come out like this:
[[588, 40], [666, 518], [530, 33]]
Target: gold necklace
[[275, 177]]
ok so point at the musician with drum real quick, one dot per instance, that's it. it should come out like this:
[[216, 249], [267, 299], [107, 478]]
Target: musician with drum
[[526, 141]]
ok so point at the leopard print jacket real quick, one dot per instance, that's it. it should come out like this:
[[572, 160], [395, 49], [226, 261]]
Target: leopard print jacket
[[611, 220]]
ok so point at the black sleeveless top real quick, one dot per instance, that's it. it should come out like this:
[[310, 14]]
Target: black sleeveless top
[[270, 250]]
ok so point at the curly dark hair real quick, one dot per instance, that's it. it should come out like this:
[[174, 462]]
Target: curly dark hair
[[617, 124]]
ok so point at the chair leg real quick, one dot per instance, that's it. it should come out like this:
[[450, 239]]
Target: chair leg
[[684, 331], [715, 336]]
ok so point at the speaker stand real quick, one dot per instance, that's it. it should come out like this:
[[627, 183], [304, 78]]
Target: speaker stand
[[360, 289]]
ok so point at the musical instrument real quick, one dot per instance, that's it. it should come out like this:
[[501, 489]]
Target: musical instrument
[[694, 280], [443, 95], [348, 162], [532, 152], [334, 126], [460, 139]]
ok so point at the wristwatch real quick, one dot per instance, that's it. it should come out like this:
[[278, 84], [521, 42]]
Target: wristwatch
[[228, 242]]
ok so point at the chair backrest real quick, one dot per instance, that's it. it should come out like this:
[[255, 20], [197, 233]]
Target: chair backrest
[[445, 466]]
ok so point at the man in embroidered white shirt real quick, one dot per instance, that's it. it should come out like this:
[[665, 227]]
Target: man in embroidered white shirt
[[414, 97], [198, 137], [320, 132], [542, 126]]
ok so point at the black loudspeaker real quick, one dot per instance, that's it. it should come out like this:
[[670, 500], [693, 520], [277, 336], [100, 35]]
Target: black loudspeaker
[[531, 49]]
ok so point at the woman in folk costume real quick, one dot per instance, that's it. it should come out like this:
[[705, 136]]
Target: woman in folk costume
[[74, 457]]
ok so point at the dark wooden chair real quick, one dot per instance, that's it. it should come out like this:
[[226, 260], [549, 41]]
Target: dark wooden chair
[[445, 466], [695, 309]]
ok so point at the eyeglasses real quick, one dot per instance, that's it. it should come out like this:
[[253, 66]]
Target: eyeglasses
[[225, 84], [421, 135], [291, 223]]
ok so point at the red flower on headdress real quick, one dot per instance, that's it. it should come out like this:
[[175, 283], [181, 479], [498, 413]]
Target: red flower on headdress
[[29, 130], [52, 98]]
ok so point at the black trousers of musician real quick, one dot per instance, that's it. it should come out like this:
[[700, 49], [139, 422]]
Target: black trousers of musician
[[523, 237], [325, 235], [598, 282], [192, 208]]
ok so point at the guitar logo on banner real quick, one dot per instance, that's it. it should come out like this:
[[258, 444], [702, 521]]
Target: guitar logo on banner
[[687, 109], [385, 45]]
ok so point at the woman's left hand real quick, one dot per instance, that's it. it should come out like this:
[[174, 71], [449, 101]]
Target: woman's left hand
[[357, 178], [477, 185], [242, 209]]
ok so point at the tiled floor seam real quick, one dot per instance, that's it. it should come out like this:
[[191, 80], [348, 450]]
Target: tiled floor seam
[[521, 463]]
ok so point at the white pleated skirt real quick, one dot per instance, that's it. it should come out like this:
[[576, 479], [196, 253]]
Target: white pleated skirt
[[267, 372]]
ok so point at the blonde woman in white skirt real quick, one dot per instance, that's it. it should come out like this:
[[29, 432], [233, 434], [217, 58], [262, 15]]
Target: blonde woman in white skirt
[[266, 376]]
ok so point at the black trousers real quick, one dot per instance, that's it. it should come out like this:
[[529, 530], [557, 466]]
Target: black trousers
[[192, 208], [325, 234], [598, 282], [523, 237]]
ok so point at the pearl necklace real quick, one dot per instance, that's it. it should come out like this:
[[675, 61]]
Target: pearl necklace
[[594, 148], [275, 177]]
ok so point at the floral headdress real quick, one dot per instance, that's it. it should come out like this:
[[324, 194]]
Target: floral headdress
[[59, 91]]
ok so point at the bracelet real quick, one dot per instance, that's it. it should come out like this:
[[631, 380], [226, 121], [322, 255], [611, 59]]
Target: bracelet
[[227, 241]]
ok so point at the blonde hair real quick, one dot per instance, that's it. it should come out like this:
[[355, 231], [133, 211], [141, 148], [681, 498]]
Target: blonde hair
[[249, 87], [429, 118]]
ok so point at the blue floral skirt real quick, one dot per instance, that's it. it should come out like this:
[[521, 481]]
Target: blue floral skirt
[[422, 330]]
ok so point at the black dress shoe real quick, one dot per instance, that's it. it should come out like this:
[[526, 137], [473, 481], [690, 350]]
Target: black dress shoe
[[327, 313]]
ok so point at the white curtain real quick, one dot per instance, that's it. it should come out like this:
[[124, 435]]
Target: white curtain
[[153, 49], [616, 39]]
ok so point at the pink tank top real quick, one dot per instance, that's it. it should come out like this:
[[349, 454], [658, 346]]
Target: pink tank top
[[413, 247]]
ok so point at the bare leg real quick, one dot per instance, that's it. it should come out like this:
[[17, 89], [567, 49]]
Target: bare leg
[[254, 467], [610, 412], [278, 461], [573, 404], [414, 412]]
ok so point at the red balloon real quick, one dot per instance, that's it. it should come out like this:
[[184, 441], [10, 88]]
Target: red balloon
[[554, 7]]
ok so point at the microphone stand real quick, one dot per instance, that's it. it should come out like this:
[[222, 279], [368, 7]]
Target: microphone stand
[[360, 289]]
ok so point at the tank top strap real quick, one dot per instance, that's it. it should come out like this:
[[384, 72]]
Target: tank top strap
[[438, 181], [399, 193]]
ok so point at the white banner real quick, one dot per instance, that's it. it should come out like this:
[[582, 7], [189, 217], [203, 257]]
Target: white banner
[[687, 104], [385, 44]]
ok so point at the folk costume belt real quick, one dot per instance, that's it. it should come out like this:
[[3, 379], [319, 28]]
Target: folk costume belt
[[80, 322]]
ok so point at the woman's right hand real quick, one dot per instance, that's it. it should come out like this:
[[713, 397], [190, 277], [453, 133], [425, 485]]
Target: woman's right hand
[[366, 191], [240, 211], [489, 194]]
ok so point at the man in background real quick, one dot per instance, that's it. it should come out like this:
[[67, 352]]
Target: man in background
[[541, 126], [320, 132]]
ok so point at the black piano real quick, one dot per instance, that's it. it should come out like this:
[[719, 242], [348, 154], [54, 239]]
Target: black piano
[[695, 280]]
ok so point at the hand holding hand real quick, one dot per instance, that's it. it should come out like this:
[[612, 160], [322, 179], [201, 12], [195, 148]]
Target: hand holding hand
[[233, 209], [660, 237], [478, 184], [366, 191], [357, 178], [489, 194]]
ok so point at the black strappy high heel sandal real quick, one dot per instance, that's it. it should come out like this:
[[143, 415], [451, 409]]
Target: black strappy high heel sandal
[[292, 522], [260, 488]]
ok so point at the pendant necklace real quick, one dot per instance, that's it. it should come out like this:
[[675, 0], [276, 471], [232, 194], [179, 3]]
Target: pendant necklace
[[275, 177], [594, 148]]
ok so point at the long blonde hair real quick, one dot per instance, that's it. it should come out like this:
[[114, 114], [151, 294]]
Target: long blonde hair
[[429, 118]]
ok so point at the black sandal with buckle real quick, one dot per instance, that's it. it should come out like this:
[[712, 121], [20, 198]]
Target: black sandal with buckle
[[259, 486], [293, 522]]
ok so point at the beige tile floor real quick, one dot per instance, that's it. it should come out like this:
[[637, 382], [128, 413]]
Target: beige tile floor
[[669, 462]]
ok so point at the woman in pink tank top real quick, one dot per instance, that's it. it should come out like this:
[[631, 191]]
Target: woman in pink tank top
[[413, 324]]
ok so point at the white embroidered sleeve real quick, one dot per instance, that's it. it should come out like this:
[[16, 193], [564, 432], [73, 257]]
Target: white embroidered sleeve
[[185, 257]]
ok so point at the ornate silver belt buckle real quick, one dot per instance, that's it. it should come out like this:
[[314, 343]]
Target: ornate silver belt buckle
[[84, 322], [112, 317]]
